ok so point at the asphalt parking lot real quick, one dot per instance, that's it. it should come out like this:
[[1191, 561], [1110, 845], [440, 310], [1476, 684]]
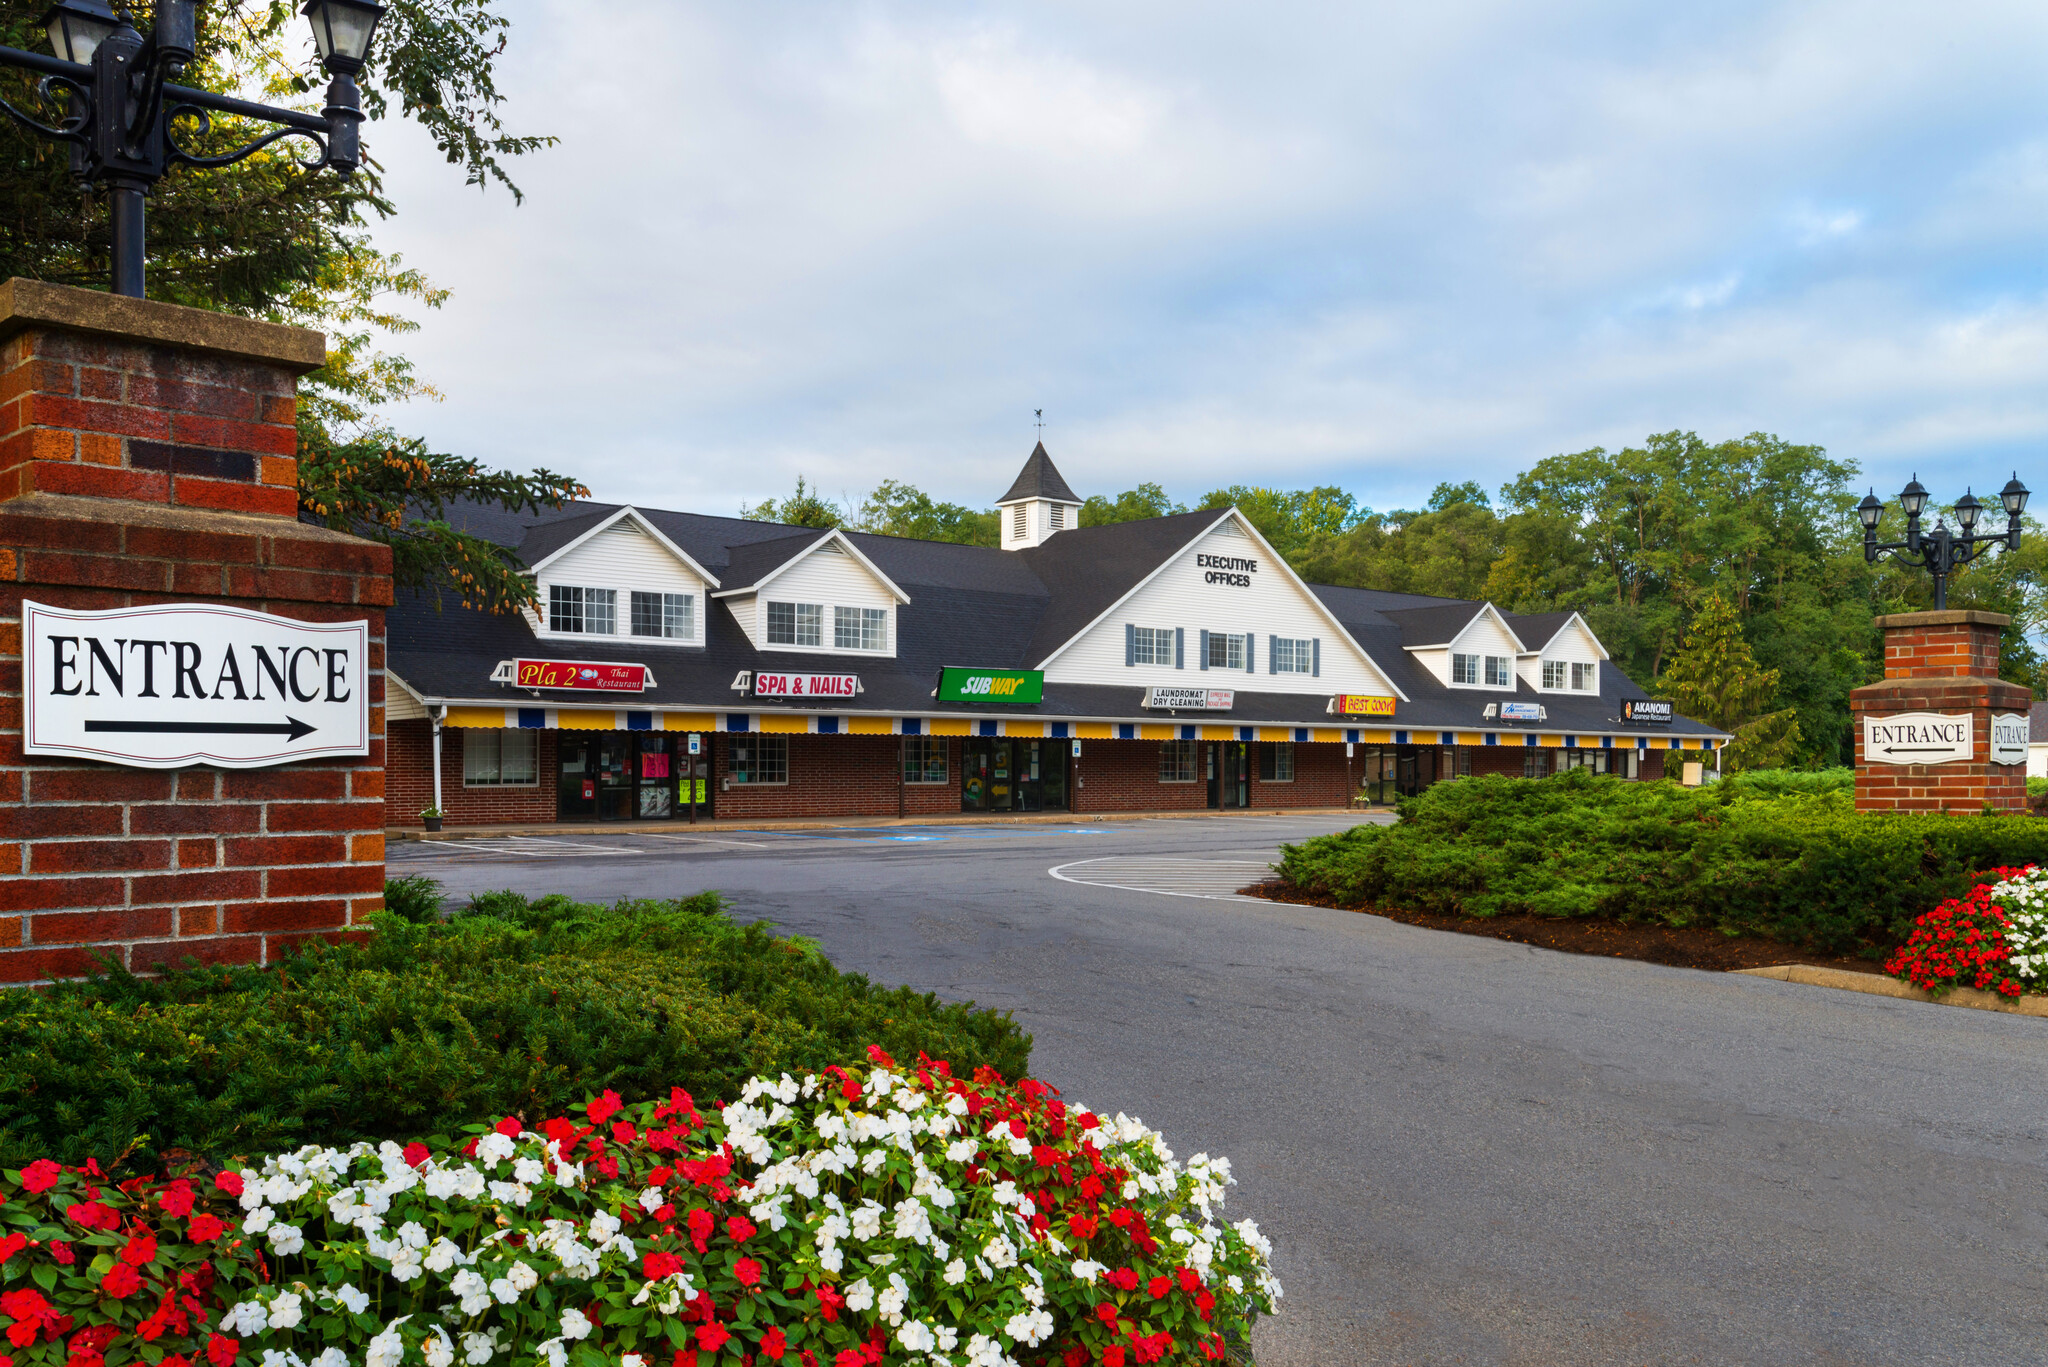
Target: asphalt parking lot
[[1465, 1150]]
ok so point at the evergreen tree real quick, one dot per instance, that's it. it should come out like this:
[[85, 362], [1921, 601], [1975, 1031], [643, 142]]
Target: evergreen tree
[[1715, 678]]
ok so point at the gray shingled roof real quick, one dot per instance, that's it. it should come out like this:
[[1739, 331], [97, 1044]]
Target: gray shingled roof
[[748, 565], [1088, 569], [1431, 626], [1039, 479]]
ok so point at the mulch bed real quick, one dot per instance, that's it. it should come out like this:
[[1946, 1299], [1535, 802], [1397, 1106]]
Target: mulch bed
[[1692, 947]]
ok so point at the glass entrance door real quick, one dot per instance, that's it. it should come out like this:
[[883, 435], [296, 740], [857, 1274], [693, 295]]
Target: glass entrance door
[[1229, 774], [576, 788], [622, 776], [1013, 775], [657, 797]]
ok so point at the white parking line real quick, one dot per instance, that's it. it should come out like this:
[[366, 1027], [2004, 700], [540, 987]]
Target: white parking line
[[526, 847], [705, 840], [1213, 879]]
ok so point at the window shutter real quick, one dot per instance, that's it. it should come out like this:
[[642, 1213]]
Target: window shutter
[[1315, 656], [1180, 638], [1130, 645], [1272, 654], [1203, 661], [1251, 652]]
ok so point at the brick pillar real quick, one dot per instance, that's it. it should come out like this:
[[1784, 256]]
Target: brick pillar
[[147, 456], [1944, 663]]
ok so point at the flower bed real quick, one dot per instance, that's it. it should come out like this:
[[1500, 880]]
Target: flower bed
[[851, 1217], [1994, 939]]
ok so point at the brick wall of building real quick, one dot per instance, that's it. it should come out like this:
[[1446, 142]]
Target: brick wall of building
[[409, 782], [1123, 776], [836, 776]]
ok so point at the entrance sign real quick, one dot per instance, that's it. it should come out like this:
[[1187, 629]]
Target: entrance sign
[[179, 684], [1191, 699], [2009, 734], [1919, 738], [1655, 711], [1362, 705], [768, 685], [1022, 687], [577, 675]]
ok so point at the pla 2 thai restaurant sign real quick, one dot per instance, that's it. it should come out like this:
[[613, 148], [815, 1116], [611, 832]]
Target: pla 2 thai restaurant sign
[[2010, 732], [579, 676], [179, 684], [1652, 710], [1918, 738], [1362, 705], [1020, 687], [1191, 699], [767, 685]]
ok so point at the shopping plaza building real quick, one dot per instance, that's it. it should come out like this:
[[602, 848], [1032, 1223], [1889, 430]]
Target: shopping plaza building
[[683, 667]]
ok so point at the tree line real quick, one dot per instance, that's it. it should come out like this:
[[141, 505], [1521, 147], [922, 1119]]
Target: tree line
[[1726, 575]]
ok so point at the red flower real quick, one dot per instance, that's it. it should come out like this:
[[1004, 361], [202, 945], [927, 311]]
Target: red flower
[[1159, 1286], [655, 1266], [746, 1272], [121, 1281], [61, 1251], [880, 1059], [773, 1343], [1106, 1312], [509, 1127], [176, 1199], [829, 1302], [12, 1245], [739, 1228], [1123, 1278], [139, 1251], [1113, 1356], [23, 1304], [229, 1182], [415, 1154], [1084, 1226], [712, 1337], [605, 1107], [41, 1175], [221, 1350], [204, 1229], [700, 1228]]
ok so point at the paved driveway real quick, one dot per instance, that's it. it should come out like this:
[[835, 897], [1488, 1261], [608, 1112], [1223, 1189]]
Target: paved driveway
[[1466, 1151]]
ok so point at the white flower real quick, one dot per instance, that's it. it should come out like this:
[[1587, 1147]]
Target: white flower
[[962, 1150], [504, 1291], [260, 1220], [286, 1311], [246, 1319], [332, 1357], [569, 1175], [574, 1325], [286, 1239], [956, 1272], [474, 1292], [387, 1349], [406, 1264], [1000, 1252], [652, 1199], [511, 1193], [282, 1357], [439, 1350], [530, 1171], [1029, 1327], [494, 1148], [444, 1255], [889, 1305], [477, 1348], [522, 1277], [867, 1221], [352, 1298], [603, 1226], [860, 1296], [632, 1360], [918, 1338], [553, 1352], [413, 1234]]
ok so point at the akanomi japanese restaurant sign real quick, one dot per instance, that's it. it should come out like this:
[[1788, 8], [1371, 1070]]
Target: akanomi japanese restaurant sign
[[178, 684], [581, 676]]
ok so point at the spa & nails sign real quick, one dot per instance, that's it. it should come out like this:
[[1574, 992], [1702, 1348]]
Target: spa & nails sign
[[192, 683]]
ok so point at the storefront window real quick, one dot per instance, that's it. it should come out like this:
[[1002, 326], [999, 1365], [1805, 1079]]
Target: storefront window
[[1176, 761], [495, 759], [759, 759], [924, 759], [1535, 763], [1276, 762], [1463, 762]]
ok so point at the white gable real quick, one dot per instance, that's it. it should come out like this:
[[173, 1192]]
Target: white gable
[[1573, 643], [1486, 636], [1227, 583], [829, 576], [622, 558]]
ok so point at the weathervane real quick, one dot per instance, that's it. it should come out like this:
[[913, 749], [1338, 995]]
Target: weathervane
[[1040, 412]]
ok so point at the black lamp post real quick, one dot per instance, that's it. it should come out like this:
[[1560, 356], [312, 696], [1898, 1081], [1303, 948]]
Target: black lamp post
[[1940, 552], [119, 103]]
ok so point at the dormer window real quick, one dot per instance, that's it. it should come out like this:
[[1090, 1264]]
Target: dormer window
[[590, 612], [1498, 671], [1466, 670], [668, 615], [860, 629], [795, 624], [1575, 675]]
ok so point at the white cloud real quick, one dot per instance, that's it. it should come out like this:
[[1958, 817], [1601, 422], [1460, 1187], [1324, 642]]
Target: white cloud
[[1377, 246]]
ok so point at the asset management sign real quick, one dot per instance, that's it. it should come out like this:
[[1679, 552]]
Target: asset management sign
[[179, 684]]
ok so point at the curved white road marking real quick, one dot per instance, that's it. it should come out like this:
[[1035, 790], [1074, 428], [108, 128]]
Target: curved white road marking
[[1215, 880]]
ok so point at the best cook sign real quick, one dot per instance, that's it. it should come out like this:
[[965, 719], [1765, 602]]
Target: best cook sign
[[191, 683]]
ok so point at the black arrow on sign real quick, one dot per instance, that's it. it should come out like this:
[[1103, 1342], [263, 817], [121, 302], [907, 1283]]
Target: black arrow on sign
[[290, 727]]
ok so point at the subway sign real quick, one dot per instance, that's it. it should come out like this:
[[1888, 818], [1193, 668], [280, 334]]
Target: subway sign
[[1016, 687]]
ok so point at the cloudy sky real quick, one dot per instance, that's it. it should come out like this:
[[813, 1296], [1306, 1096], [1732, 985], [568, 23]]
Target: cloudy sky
[[1366, 244]]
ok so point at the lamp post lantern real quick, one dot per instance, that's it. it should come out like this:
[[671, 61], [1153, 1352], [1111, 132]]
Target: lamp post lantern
[[1941, 552], [120, 105]]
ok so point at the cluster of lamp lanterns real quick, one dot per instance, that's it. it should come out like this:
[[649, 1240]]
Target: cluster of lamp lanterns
[[1940, 552]]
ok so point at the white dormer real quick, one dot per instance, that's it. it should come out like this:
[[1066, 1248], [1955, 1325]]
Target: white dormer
[[815, 594], [1569, 662], [1039, 503], [620, 579], [1481, 654]]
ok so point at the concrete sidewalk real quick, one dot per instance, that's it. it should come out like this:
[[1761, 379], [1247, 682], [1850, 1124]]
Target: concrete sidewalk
[[843, 823]]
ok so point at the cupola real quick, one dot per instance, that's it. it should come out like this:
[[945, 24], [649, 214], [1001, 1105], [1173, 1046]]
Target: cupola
[[1039, 503]]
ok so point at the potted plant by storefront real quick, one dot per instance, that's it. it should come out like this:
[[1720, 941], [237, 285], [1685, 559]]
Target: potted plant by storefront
[[432, 817]]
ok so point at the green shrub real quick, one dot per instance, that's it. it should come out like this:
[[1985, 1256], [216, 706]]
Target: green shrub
[[423, 1028], [2037, 787], [1804, 869], [1784, 782], [416, 899]]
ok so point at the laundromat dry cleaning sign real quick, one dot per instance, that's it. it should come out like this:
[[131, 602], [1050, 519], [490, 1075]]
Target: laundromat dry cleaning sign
[[1018, 687]]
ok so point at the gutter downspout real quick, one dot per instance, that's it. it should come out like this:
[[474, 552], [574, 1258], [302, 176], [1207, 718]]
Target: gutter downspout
[[436, 711]]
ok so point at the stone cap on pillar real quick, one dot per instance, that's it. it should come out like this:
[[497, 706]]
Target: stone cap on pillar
[[1955, 643], [110, 397]]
